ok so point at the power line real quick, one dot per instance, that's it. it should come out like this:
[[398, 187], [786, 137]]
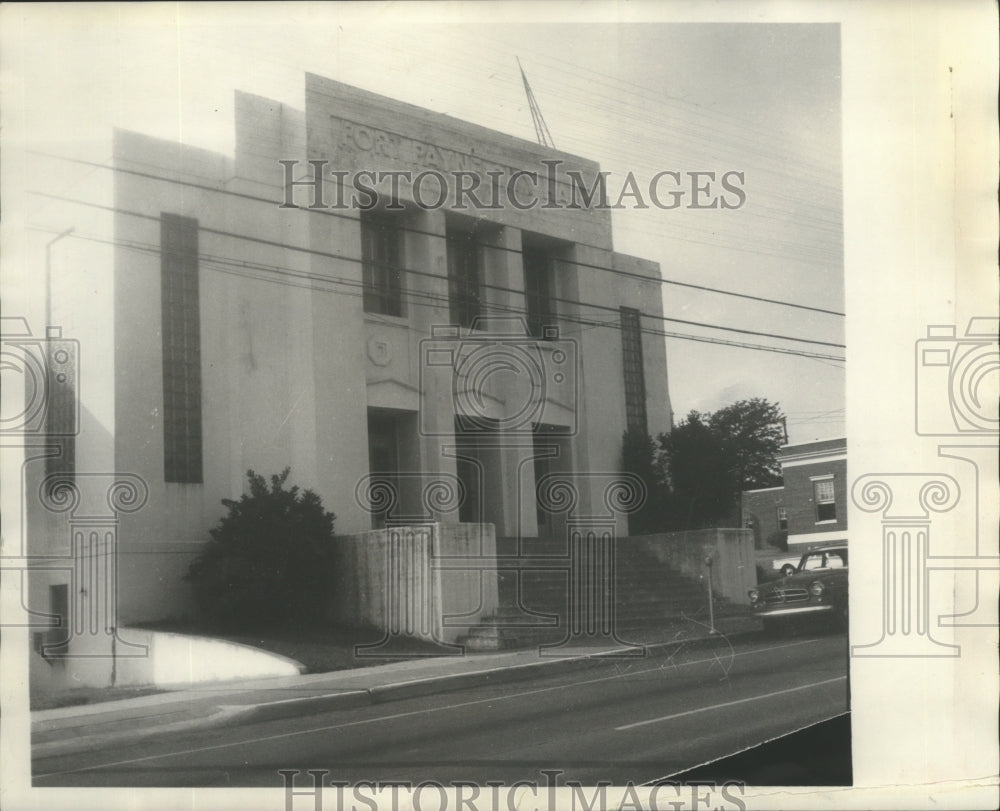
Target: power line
[[307, 280], [415, 272], [410, 229]]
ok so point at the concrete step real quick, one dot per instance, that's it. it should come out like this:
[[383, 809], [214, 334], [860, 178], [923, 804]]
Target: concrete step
[[627, 631], [647, 594], [491, 637], [557, 598], [509, 617]]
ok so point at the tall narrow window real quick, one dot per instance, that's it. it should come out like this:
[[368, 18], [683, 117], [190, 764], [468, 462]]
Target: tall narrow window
[[633, 370], [782, 518], [470, 467], [464, 277], [826, 505], [383, 462], [381, 241], [181, 334], [538, 291]]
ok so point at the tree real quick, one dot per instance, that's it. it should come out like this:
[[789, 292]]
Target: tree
[[639, 458], [693, 461], [752, 432], [268, 560], [709, 458]]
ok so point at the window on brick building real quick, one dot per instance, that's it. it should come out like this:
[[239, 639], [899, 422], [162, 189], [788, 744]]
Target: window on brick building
[[826, 505], [381, 255], [782, 518], [181, 342]]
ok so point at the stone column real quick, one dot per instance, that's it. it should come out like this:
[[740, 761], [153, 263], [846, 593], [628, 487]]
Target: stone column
[[411, 594], [986, 507], [93, 502], [591, 536], [905, 501]]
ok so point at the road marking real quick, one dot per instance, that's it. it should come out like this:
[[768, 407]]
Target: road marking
[[424, 710], [729, 704]]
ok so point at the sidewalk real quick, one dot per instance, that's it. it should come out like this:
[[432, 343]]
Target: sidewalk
[[75, 728]]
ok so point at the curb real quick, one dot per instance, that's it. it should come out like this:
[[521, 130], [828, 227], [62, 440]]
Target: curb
[[238, 714], [222, 716], [297, 707]]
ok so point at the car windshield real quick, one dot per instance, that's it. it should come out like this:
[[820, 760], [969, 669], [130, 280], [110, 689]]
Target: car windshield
[[833, 559]]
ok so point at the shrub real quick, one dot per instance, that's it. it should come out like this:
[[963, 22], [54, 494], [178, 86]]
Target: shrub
[[269, 559]]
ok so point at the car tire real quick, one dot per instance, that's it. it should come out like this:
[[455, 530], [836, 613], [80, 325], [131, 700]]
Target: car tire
[[787, 570]]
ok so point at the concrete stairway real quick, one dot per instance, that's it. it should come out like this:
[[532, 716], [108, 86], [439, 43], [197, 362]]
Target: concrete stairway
[[535, 603]]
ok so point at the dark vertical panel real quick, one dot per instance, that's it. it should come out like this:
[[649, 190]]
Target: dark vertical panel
[[61, 407], [464, 278], [538, 290], [633, 370], [181, 336]]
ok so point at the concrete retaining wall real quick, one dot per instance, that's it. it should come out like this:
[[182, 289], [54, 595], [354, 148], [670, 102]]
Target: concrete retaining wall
[[732, 552], [170, 660], [387, 579]]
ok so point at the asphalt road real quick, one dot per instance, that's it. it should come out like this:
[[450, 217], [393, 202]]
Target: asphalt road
[[628, 720]]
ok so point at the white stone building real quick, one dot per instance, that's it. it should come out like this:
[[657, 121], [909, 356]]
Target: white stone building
[[454, 356]]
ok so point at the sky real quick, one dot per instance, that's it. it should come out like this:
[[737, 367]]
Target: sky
[[760, 99]]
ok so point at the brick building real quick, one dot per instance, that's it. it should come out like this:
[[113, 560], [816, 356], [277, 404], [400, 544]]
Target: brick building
[[810, 508]]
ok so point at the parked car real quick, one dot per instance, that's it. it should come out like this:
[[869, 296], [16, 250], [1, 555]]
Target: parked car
[[817, 589]]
